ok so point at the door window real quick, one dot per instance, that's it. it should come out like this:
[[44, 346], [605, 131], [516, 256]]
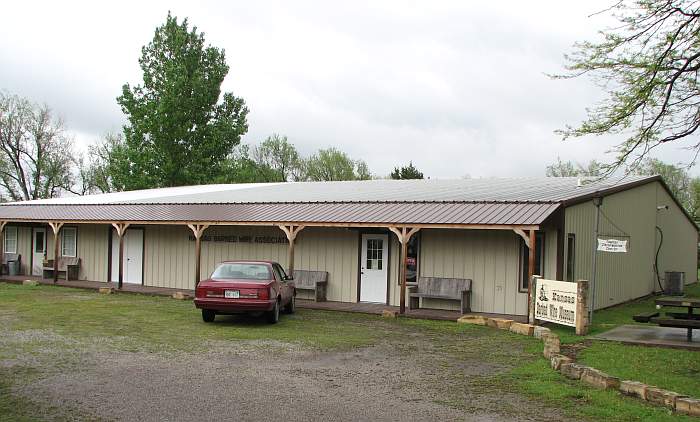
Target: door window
[[39, 242], [375, 247], [280, 271], [276, 273]]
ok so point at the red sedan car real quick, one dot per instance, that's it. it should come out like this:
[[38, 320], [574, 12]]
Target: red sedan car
[[256, 287]]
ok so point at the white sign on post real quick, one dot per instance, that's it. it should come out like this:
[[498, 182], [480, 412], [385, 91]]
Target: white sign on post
[[612, 245], [555, 301]]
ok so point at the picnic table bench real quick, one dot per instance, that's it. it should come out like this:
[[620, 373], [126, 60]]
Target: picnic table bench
[[441, 288], [316, 281], [687, 320]]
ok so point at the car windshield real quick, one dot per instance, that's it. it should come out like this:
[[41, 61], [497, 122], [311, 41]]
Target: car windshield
[[242, 271]]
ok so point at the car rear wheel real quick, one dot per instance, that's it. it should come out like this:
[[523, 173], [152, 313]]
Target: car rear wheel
[[208, 315], [291, 306], [274, 315]]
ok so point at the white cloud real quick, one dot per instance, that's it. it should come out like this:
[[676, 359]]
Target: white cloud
[[457, 87]]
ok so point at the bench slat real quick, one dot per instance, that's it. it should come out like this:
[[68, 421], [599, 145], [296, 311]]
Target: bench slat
[[429, 296], [645, 317], [677, 323]]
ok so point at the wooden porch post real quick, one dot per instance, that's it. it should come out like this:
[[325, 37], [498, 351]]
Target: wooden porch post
[[404, 234], [56, 227], [198, 231], [531, 271], [291, 232], [121, 229]]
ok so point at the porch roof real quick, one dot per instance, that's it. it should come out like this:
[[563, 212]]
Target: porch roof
[[338, 214], [524, 203]]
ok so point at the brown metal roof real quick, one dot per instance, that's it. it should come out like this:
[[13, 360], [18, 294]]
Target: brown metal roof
[[304, 213]]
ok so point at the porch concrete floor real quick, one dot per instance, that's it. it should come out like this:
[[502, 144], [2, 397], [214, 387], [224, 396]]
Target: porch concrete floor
[[651, 335], [365, 308]]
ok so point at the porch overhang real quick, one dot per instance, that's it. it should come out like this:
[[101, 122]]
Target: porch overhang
[[493, 215]]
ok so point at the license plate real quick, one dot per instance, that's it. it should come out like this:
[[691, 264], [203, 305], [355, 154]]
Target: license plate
[[232, 294]]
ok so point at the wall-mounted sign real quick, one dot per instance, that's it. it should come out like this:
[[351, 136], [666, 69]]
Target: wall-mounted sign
[[612, 245], [241, 239], [555, 301]]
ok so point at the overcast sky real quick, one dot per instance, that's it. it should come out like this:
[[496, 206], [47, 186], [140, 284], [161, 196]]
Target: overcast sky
[[457, 87]]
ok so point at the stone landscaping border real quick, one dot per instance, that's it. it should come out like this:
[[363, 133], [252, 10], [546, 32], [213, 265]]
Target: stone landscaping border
[[590, 376]]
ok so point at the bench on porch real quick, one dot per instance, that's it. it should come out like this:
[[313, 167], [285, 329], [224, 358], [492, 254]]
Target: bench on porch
[[68, 265], [441, 288], [312, 280]]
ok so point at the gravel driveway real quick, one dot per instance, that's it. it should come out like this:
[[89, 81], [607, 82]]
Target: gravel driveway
[[417, 378]]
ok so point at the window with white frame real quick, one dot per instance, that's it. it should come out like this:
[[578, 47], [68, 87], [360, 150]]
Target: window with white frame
[[10, 245], [69, 237]]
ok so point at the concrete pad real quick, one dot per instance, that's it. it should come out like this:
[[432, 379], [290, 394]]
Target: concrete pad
[[650, 335]]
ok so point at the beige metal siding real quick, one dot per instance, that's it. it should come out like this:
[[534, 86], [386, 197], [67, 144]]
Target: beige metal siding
[[627, 215], [550, 255], [93, 247], [333, 250], [24, 247], [680, 239], [489, 257], [169, 255]]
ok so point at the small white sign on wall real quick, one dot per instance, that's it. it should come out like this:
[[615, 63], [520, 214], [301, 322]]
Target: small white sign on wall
[[555, 301], [612, 245]]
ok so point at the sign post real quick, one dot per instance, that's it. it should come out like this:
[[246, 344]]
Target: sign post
[[562, 302]]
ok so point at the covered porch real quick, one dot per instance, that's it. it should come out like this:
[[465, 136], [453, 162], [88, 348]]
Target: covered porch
[[365, 308], [176, 235]]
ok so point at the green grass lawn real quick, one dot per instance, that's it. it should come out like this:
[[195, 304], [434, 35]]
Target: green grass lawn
[[676, 370], [146, 324]]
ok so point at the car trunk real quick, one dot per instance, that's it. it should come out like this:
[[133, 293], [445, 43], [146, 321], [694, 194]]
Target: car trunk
[[234, 289]]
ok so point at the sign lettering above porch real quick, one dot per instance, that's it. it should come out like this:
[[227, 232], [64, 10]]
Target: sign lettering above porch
[[555, 301], [241, 239], [612, 245]]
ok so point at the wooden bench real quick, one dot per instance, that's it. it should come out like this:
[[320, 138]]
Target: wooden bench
[[682, 315], [441, 288], [645, 317], [312, 280], [68, 265], [689, 324], [9, 257]]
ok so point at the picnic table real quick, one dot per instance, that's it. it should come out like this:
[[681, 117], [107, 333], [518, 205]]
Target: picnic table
[[687, 319]]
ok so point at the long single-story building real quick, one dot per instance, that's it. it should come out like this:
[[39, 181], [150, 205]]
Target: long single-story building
[[478, 229]]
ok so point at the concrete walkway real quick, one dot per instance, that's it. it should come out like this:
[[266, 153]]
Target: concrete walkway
[[366, 308], [650, 335]]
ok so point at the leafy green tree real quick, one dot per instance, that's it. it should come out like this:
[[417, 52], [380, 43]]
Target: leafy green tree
[[277, 154], [36, 154], [571, 169], [178, 132], [695, 198], [362, 171], [677, 178], [334, 165], [649, 65], [406, 172], [240, 168], [95, 172]]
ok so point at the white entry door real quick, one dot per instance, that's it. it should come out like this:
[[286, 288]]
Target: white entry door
[[374, 268], [38, 250], [133, 256]]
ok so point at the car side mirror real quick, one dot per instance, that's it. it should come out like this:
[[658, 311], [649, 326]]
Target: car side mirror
[[288, 278]]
